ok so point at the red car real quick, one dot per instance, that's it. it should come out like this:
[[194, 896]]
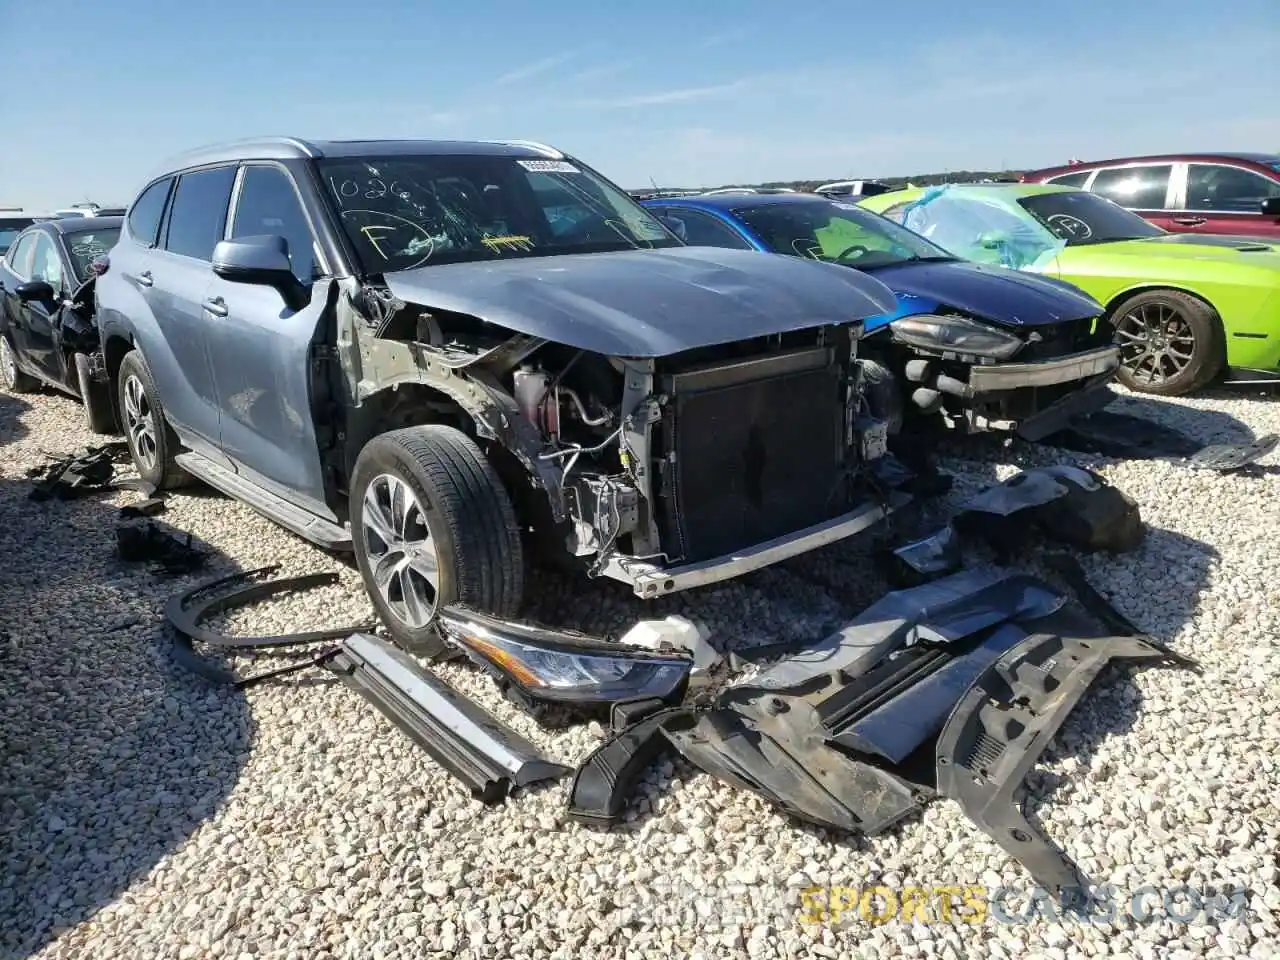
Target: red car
[[1207, 193]]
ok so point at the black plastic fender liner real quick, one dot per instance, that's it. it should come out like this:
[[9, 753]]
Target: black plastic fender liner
[[184, 612], [809, 780], [1004, 722], [487, 756]]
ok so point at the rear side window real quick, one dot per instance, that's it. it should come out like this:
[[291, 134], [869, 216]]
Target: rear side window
[[1138, 188], [199, 213], [19, 255], [147, 210], [1071, 179]]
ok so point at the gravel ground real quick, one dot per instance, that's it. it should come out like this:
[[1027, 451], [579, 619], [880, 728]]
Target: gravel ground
[[144, 814]]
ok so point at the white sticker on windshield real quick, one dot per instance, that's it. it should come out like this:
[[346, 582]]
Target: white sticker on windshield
[[549, 166]]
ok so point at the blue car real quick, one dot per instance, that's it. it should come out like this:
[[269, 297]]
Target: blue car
[[979, 347]]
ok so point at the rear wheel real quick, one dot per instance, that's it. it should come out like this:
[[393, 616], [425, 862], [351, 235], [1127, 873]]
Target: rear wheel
[[11, 378], [1171, 343], [432, 526], [152, 442]]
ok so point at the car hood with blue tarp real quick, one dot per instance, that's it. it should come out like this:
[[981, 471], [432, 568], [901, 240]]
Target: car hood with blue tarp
[[995, 294]]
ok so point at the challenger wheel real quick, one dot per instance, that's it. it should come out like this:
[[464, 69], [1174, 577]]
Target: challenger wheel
[[1170, 343], [433, 525], [152, 442]]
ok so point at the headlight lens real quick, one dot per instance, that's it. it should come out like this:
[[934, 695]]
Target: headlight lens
[[955, 335], [565, 667]]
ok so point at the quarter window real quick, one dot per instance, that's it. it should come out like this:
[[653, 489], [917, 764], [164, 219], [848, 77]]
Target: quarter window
[[19, 255], [268, 204], [147, 211], [199, 213], [1138, 188], [1227, 189], [704, 230], [1071, 179]]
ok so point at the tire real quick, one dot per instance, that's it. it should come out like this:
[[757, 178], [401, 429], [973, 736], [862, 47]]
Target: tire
[[1198, 335], [11, 378], [95, 395], [470, 527], [155, 464]]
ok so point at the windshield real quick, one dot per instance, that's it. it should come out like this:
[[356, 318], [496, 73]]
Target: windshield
[[836, 232], [1080, 218], [10, 227], [87, 245], [413, 211]]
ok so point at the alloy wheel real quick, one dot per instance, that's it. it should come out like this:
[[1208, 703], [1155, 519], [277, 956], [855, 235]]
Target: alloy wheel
[[400, 550], [140, 424], [1156, 342]]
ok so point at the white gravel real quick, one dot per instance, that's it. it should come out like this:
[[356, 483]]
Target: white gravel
[[144, 814]]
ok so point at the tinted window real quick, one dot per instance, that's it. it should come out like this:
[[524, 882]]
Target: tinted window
[[704, 230], [1139, 188], [269, 205], [835, 231], [199, 212], [10, 227], [1071, 179], [1081, 218], [1229, 189], [401, 212], [46, 264], [87, 246], [144, 217], [19, 256]]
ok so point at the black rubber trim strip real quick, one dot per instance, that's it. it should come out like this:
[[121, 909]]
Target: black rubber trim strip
[[606, 778], [184, 611]]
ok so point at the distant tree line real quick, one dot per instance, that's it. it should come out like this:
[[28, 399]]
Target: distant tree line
[[920, 180]]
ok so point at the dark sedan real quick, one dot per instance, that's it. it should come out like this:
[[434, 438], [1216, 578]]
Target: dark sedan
[[983, 347], [48, 336]]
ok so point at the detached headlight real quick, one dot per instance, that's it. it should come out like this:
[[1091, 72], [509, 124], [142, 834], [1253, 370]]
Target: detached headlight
[[551, 665], [955, 335]]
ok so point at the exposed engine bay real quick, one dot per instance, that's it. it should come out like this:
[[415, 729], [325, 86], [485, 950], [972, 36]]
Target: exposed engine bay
[[666, 472]]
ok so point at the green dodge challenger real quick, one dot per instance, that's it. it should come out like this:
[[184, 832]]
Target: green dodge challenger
[[1185, 307]]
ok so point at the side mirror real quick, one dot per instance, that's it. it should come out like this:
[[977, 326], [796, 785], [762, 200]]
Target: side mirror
[[37, 290], [262, 261], [1270, 207]]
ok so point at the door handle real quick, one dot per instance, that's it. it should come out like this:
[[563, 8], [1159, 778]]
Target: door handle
[[216, 306], [1189, 221], [145, 278]]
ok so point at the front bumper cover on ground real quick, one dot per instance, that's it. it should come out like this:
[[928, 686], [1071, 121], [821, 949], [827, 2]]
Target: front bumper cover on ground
[[954, 688]]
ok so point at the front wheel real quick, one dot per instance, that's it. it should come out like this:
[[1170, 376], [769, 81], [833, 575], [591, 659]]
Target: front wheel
[[1170, 343], [433, 525], [95, 395]]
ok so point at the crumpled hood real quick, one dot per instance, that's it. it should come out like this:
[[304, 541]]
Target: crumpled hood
[[1003, 296], [648, 303]]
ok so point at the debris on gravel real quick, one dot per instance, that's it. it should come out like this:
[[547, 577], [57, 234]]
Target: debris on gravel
[[145, 813]]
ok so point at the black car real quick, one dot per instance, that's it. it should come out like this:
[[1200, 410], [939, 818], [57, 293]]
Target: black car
[[47, 331], [12, 224]]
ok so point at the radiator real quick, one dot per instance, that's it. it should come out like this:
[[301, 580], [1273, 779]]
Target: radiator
[[758, 452]]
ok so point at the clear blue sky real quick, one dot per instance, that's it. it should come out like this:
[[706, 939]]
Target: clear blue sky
[[688, 92]]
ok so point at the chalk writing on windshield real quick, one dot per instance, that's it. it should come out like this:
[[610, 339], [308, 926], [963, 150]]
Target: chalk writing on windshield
[[1069, 227], [393, 237], [374, 188], [498, 244], [88, 248]]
